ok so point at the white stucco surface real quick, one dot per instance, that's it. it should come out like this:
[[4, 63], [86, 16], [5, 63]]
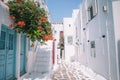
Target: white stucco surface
[[116, 14]]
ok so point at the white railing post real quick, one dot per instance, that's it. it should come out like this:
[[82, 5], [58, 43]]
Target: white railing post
[[18, 57]]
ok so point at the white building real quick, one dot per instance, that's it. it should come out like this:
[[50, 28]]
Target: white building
[[17, 58], [14, 49], [99, 37], [57, 28], [68, 39], [42, 4]]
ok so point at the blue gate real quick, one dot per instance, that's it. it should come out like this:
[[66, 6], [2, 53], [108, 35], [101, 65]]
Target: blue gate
[[23, 55], [7, 53]]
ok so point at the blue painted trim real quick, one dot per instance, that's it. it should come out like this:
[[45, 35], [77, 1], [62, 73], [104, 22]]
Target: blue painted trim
[[23, 38], [15, 51], [25, 54]]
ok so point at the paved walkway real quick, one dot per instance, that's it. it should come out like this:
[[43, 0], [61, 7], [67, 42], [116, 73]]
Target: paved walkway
[[62, 74], [66, 71], [37, 76], [69, 72]]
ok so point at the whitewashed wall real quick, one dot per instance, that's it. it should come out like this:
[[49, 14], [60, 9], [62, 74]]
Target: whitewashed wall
[[98, 61], [104, 30], [116, 18], [103, 61], [68, 31], [76, 24], [4, 15], [83, 34]]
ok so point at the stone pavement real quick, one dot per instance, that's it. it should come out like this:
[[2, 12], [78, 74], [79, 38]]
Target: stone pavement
[[69, 72], [62, 74], [66, 71], [37, 76]]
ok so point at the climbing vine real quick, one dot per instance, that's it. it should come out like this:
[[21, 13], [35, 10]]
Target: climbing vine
[[28, 18]]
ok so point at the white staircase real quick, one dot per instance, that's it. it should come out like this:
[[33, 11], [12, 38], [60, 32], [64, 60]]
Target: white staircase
[[43, 59]]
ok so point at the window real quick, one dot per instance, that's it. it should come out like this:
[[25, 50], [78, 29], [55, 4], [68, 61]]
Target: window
[[70, 40], [93, 49], [69, 25], [91, 13], [92, 44], [92, 10], [10, 41], [2, 40]]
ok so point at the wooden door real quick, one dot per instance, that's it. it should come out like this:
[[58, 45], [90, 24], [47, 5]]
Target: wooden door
[[7, 53], [23, 55]]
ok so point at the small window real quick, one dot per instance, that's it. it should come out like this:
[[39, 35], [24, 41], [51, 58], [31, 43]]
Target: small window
[[93, 53], [3, 35], [10, 41], [69, 25], [92, 10], [92, 44], [70, 40], [2, 40], [91, 13]]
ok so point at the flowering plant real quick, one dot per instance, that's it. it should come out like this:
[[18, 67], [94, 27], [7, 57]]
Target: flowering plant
[[30, 19]]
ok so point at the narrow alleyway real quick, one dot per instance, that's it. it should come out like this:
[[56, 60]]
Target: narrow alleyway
[[39, 41], [69, 71], [64, 71]]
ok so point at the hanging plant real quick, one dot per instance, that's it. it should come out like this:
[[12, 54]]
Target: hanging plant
[[29, 19]]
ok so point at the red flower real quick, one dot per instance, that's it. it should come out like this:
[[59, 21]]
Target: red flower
[[47, 37], [12, 17], [21, 23], [34, 4], [50, 37], [11, 26], [19, 2], [43, 18], [40, 29]]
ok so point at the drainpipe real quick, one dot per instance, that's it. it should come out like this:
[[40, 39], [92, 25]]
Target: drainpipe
[[18, 57]]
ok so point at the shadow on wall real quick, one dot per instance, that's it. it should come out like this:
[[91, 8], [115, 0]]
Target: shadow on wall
[[118, 44]]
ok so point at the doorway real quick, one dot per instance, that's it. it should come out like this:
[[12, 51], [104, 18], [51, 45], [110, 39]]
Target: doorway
[[23, 55], [7, 53]]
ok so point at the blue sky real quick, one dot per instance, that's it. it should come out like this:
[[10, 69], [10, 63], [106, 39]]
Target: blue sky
[[61, 8]]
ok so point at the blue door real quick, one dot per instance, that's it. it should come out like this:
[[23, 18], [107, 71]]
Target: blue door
[[23, 55], [2, 53], [7, 53]]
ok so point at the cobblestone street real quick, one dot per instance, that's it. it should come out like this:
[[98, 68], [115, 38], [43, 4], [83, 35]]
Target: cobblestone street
[[69, 72]]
